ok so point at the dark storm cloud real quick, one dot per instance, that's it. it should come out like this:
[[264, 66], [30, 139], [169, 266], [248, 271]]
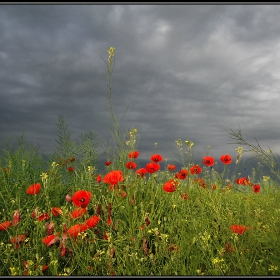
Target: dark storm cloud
[[185, 71]]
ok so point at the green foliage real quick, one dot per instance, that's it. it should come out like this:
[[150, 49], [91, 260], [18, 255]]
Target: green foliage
[[21, 165], [184, 237], [267, 160], [79, 154]]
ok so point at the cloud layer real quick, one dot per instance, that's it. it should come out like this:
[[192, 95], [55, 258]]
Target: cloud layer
[[185, 71]]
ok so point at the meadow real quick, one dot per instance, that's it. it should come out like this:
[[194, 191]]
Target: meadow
[[66, 216]]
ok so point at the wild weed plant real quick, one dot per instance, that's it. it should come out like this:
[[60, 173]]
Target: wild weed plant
[[65, 217]]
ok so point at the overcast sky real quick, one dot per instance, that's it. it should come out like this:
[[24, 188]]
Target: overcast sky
[[188, 71]]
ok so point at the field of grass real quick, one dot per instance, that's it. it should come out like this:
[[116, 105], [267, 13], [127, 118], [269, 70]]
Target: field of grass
[[65, 216]]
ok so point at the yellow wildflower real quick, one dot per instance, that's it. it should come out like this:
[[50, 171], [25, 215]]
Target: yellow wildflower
[[266, 178], [54, 164], [111, 52], [44, 177]]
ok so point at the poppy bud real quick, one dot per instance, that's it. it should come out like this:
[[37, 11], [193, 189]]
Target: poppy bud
[[49, 228], [16, 218], [35, 213], [68, 198]]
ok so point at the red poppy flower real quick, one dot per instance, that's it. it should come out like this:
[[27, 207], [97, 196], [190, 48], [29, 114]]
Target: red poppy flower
[[131, 165], [5, 225], [63, 249], [133, 154], [77, 213], [17, 240], [156, 158], [195, 169], [182, 174], [72, 159], [113, 177], [51, 239], [105, 235], [71, 168], [147, 221], [56, 211], [170, 186], [239, 229], [201, 182], [171, 167], [35, 213], [225, 159], [16, 218], [81, 198], [228, 248], [141, 172], [33, 189], [43, 217], [49, 227], [45, 267], [108, 163], [152, 167], [92, 221], [243, 181], [256, 188], [98, 178], [209, 161], [76, 229], [173, 247], [184, 195]]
